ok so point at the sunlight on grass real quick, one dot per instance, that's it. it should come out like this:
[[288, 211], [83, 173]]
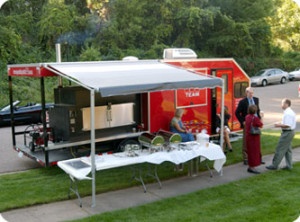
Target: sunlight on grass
[[272, 196], [277, 133]]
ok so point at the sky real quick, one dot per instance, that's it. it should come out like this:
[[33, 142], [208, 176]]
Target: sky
[[297, 1], [2, 2]]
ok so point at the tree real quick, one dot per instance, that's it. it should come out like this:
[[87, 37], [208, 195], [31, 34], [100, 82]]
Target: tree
[[241, 28], [245, 10], [147, 25], [229, 38], [191, 24], [98, 7], [90, 53], [286, 25], [58, 19]]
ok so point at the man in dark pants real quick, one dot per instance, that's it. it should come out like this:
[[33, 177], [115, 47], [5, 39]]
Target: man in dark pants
[[241, 112], [284, 146]]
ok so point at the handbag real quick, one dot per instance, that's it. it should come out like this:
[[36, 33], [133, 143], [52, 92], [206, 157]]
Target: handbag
[[254, 130]]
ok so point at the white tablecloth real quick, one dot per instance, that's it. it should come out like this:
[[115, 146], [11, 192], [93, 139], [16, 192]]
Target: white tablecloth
[[80, 168]]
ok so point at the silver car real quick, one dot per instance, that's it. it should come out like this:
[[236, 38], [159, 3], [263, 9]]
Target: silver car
[[269, 76], [294, 75]]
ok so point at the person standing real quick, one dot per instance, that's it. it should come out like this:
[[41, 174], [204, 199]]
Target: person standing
[[284, 145], [241, 112], [176, 126], [253, 140]]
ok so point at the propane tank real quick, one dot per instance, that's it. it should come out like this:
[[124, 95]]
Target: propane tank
[[203, 138]]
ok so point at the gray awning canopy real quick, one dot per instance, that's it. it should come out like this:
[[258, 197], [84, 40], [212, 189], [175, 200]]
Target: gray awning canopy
[[131, 77]]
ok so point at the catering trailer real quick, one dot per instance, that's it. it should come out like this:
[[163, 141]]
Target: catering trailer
[[108, 104]]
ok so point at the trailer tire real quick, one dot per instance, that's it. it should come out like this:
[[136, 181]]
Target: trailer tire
[[123, 143]]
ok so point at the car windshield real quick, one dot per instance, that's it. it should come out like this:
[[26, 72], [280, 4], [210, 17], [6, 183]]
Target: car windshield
[[261, 73], [6, 108]]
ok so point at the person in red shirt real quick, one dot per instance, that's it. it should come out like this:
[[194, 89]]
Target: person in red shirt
[[253, 140]]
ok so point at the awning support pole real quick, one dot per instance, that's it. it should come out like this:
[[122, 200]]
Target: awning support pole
[[12, 111], [222, 115], [44, 120], [93, 147], [58, 60]]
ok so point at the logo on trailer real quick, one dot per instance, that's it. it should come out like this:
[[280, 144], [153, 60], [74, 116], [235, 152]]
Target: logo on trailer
[[192, 92], [22, 72]]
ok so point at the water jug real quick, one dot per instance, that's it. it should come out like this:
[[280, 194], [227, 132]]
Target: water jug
[[203, 138]]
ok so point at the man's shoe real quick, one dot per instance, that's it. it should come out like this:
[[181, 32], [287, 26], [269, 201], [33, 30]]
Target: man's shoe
[[262, 162], [286, 168], [253, 171], [245, 162], [271, 167]]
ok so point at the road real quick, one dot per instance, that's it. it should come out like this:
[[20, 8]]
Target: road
[[270, 98], [9, 159], [270, 102]]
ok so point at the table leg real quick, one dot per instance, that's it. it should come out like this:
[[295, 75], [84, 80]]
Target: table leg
[[210, 171], [138, 178], [154, 175], [74, 188], [193, 167], [207, 166], [179, 167]]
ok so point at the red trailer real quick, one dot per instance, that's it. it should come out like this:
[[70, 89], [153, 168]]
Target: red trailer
[[112, 103]]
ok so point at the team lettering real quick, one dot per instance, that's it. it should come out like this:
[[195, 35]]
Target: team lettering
[[192, 94]]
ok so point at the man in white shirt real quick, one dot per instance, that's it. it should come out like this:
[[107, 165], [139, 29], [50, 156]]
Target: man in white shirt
[[284, 146]]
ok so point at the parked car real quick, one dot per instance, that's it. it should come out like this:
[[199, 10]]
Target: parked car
[[269, 76], [27, 114], [294, 75]]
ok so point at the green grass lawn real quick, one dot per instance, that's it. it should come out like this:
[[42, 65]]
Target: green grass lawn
[[51, 184], [272, 196]]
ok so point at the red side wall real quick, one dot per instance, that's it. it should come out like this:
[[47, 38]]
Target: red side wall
[[197, 104], [162, 108]]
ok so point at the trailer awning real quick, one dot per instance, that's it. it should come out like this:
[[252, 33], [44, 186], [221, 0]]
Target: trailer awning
[[117, 78], [131, 77]]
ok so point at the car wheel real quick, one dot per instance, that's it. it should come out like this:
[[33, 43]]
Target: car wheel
[[264, 82], [283, 80]]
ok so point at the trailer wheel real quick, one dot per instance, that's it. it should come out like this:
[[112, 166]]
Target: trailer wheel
[[123, 143]]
